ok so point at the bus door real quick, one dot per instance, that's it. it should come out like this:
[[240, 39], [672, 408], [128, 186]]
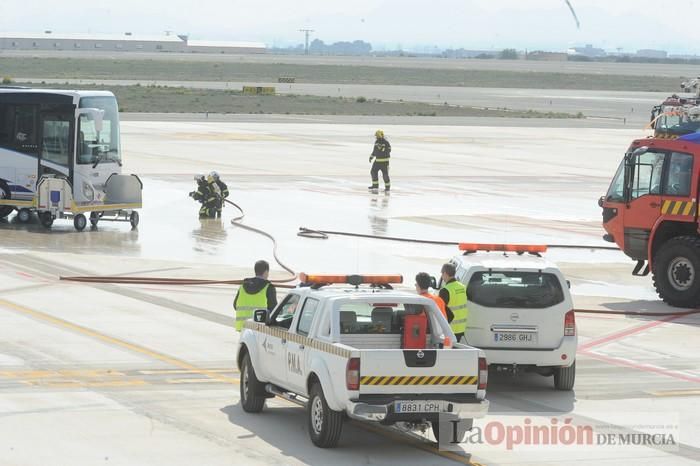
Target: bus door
[[56, 147]]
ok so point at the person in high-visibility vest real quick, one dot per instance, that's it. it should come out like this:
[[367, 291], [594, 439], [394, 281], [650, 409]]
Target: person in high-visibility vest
[[454, 295], [380, 154], [255, 293], [423, 283]]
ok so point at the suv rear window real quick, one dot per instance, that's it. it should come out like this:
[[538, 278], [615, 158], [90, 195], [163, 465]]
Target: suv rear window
[[375, 318], [523, 290]]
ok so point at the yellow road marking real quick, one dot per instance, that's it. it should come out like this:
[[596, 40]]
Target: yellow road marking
[[186, 381], [114, 341], [675, 393], [181, 371], [116, 383]]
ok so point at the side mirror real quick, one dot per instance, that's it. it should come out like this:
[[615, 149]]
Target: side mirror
[[433, 283], [568, 284], [260, 316], [96, 114], [600, 201]]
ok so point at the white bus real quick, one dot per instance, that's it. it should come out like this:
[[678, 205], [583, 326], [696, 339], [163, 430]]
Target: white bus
[[49, 137]]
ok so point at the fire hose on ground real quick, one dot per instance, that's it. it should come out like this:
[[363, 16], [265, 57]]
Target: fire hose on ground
[[236, 221], [325, 234]]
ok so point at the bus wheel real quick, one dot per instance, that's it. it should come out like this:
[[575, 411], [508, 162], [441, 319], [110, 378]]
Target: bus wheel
[[5, 210], [80, 222], [46, 219], [134, 220], [24, 215]]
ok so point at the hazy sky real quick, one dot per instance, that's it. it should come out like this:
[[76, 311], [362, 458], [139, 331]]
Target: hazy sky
[[531, 24]]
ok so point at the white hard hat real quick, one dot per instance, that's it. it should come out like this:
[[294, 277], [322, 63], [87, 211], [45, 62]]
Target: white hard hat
[[214, 175], [198, 177]]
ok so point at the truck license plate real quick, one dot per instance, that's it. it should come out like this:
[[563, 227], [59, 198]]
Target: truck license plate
[[417, 406], [526, 338]]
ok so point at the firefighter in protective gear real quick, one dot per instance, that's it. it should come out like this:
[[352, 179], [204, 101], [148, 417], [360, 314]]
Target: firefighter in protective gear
[[213, 202], [381, 154], [222, 189], [255, 293], [204, 196], [454, 295]]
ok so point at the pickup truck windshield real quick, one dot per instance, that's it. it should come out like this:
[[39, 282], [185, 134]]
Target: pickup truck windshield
[[531, 290], [375, 318]]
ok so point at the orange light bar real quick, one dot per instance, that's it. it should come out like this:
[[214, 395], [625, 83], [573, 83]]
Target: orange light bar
[[533, 248], [351, 279]]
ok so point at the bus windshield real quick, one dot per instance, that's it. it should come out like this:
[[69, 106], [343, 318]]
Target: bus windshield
[[102, 147]]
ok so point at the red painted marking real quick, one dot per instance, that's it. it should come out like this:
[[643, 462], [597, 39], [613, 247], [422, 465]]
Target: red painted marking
[[627, 332], [642, 367], [24, 274]]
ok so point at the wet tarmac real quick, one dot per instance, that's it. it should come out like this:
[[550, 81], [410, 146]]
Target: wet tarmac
[[145, 374]]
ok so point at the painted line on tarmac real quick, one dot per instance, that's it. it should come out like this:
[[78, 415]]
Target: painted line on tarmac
[[642, 367], [626, 333], [113, 341], [678, 393]]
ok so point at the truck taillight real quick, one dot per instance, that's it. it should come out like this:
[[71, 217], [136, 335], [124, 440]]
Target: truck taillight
[[352, 374], [483, 373], [570, 324]]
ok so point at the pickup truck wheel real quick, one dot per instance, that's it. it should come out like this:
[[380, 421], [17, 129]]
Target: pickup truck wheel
[[325, 425], [564, 377], [252, 399], [463, 427]]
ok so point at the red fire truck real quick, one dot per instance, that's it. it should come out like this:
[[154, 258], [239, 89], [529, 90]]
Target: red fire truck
[[650, 211]]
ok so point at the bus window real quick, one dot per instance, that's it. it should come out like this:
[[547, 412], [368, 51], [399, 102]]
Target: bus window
[[18, 130], [55, 144], [105, 145]]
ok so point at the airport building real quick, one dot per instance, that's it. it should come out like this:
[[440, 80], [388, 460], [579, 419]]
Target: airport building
[[127, 42]]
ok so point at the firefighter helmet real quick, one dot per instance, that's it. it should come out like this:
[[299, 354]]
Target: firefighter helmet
[[379, 134]]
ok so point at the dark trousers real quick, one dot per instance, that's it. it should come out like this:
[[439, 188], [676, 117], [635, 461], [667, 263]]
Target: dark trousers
[[380, 167]]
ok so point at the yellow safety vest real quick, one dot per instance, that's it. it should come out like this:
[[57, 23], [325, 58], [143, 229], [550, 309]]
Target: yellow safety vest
[[247, 303], [458, 305]]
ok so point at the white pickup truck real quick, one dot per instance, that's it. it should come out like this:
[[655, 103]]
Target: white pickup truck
[[339, 351]]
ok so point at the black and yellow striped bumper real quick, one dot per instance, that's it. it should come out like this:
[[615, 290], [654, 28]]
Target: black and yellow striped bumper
[[418, 380]]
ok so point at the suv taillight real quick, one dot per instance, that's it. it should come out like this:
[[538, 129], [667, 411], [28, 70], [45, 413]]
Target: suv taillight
[[352, 374], [570, 324], [483, 373]]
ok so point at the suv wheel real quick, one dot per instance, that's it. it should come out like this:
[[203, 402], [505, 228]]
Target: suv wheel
[[325, 425], [564, 377]]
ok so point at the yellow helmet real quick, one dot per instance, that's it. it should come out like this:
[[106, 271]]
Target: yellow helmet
[[379, 133]]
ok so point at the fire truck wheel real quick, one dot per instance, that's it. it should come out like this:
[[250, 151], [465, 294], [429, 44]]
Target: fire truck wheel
[[5, 210], [676, 269]]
